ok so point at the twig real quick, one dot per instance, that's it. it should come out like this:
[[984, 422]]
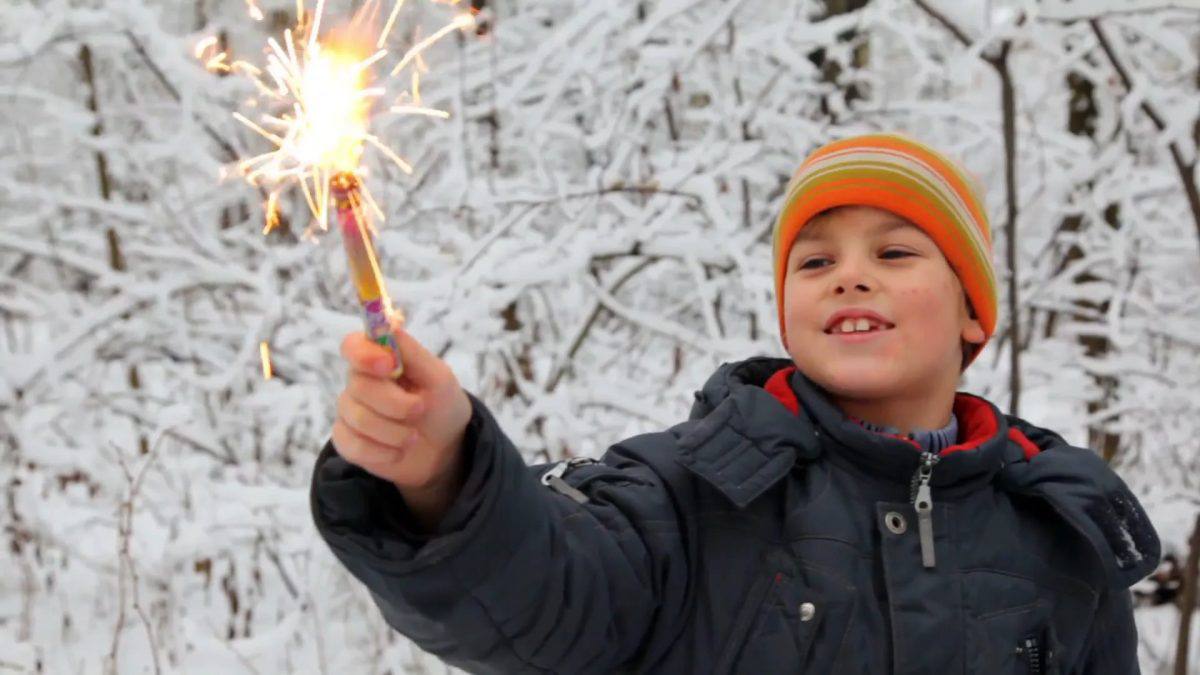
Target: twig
[[274, 557], [128, 566], [651, 323], [958, 33], [179, 436], [586, 326], [1139, 10]]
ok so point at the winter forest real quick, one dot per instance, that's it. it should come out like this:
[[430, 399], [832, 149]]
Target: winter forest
[[583, 239]]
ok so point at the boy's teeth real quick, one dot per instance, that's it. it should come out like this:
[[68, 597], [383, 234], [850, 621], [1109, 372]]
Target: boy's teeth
[[859, 325]]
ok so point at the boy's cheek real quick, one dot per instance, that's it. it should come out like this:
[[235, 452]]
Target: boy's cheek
[[924, 297], [796, 318], [927, 310]]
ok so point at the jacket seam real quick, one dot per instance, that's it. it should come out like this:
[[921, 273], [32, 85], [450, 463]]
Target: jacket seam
[[1082, 588], [509, 642]]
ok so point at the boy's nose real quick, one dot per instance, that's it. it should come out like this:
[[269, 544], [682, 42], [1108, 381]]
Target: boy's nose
[[853, 272], [841, 288]]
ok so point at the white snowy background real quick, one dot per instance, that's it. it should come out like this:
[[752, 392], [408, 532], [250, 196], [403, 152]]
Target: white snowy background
[[584, 241]]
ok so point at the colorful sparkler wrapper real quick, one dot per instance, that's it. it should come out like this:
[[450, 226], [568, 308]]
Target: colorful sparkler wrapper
[[378, 313]]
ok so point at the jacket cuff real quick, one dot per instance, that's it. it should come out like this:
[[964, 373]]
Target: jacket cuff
[[361, 515]]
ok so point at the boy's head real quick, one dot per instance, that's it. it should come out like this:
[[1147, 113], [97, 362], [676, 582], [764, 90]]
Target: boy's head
[[884, 224]]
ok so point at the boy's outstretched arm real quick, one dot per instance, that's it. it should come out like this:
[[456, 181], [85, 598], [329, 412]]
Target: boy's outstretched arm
[[516, 577], [1112, 644]]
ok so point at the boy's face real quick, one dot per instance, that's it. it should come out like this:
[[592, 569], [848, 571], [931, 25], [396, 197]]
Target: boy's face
[[860, 257]]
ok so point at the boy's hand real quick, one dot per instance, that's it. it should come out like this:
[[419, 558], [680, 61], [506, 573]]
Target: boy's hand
[[408, 431]]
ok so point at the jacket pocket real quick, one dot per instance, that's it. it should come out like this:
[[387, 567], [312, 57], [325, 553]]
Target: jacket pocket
[[778, 628], [1017, 641]]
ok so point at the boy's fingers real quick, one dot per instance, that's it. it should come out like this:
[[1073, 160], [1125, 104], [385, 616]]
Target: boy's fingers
[[421, 366], [384, 397], [358, 449], [385, 432], [365, 355]]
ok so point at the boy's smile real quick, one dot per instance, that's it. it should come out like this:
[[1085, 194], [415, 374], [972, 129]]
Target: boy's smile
[[876, 316], [856, 324]]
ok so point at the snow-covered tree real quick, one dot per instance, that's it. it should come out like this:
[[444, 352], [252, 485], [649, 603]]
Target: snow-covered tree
[[584, 240]]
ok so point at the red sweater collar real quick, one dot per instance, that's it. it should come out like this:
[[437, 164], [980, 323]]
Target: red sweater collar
[[976, 423]]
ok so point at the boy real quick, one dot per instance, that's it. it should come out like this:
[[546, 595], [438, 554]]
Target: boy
[[841, 511]]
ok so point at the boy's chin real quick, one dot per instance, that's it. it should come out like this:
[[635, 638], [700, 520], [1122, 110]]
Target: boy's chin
[[859, 381]]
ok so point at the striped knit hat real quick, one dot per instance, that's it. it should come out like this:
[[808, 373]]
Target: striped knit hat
[[898, 174]]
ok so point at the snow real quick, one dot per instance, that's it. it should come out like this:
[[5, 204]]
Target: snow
[[607, 181]]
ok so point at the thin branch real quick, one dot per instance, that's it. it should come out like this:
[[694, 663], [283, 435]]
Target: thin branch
[[597, 309], [958, 33], [1140, 10]]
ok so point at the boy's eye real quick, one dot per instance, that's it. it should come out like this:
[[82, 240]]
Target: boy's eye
[[895, 253]]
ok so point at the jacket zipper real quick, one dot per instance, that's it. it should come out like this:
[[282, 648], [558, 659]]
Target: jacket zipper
[[922, 500], [1033, 656]]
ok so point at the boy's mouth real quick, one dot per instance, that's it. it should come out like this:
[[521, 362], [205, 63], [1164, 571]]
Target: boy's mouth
[[871, 334], [859, 326], [850, 321]]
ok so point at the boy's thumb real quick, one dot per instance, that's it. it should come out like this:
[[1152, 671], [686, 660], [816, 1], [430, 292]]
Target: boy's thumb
[[420, 364]]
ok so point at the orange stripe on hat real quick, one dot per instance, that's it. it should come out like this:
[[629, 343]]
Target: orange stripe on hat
[[954, 175]]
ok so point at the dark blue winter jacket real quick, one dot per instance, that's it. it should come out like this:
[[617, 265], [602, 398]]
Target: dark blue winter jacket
[[768, 533]]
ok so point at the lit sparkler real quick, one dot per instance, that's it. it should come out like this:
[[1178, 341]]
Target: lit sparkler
[[316, 95]]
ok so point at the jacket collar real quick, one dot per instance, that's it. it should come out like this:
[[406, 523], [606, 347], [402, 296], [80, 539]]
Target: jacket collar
[[983, 446], [755, 419]]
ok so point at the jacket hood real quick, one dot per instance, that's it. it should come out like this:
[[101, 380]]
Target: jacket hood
[[777, 410], [1089, 495]]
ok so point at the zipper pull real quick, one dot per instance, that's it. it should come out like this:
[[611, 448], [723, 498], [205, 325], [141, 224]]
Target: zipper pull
[[554, 478], [923, 502]]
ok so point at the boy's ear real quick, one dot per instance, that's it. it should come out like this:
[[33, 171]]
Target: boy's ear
[[972, 331]]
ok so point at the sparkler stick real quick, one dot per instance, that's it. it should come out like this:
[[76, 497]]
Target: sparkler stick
[[378, 313], [315, 107]]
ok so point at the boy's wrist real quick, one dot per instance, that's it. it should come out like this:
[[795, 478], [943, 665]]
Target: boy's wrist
[[429, 503]]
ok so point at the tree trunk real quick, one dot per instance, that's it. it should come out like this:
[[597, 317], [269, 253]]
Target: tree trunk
[[1008, 102], [1187, 600], [115, 258]]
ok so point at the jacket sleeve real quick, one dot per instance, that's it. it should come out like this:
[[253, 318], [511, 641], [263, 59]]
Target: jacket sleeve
[[517, 577], [1112, 644]]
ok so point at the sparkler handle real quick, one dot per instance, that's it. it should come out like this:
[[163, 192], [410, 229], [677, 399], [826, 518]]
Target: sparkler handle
[[377, 319], [378, 314]]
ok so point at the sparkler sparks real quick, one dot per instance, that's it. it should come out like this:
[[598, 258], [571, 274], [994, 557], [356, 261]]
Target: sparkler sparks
[[316, 97], [253, 9]]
